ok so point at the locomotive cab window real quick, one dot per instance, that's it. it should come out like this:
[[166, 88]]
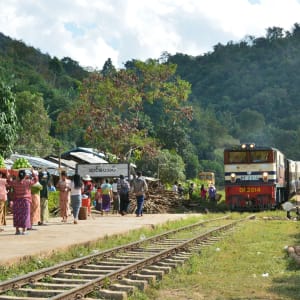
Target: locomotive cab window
[[259, 156], [237, 157]]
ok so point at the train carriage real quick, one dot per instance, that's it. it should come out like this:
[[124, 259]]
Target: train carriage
[[207, 178], [258, 178]]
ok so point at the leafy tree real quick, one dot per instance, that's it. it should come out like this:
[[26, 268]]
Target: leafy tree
[[8, 119], [35, 125], [108, 68], [166, 165], [110, 107], [73, 69]]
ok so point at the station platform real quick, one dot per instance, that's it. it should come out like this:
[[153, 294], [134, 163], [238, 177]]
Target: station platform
[[58, 236]]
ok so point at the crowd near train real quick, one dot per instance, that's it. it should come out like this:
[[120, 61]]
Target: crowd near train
[[259, 178]]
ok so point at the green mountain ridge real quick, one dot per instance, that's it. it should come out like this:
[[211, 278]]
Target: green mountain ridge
[[241, 92]]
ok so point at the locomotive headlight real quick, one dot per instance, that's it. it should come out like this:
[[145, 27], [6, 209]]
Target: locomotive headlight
[[243, 146], [232, 177], [252, 146], [265, 176]]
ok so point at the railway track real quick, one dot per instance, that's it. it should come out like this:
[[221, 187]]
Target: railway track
[[112, 273]]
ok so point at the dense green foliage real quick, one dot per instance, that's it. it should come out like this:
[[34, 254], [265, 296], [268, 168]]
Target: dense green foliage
[[240, 92], [8, 119], [250, 88]]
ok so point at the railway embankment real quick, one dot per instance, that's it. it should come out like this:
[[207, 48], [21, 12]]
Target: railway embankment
[[57, 236]]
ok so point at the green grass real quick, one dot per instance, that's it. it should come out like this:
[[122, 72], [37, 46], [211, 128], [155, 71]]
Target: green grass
[[251, 264], [235, 272]]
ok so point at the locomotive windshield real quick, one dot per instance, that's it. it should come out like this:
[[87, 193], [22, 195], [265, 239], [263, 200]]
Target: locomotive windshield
[[237, 157], [259, 156], [252, 156]]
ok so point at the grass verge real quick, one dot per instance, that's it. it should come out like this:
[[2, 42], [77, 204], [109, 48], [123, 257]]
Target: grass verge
[[249, 264], [33, 264]]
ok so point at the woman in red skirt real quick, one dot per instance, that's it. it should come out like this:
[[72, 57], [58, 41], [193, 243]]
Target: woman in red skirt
[[22, 199]]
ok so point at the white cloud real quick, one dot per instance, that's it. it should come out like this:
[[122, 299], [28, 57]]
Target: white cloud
[[91, 31]]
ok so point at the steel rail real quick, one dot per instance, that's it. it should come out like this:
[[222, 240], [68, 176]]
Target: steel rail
[[32, 277], [102, 280], [94, 285]]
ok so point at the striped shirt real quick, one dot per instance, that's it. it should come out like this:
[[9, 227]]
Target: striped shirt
[[22, 188]]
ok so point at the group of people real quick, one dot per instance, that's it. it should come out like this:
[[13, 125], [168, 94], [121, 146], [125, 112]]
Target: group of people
[[28, 199], [116, 193], [29, 196], [209, 193], [110, 195], [212, 192]]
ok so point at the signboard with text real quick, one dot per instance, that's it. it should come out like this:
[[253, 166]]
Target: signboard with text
[[103, 170]]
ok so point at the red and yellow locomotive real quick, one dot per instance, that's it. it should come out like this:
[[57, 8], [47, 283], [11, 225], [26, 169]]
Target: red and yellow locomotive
[[258, 178]]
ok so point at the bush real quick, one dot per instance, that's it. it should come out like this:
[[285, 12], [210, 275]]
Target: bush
[[53, 200]]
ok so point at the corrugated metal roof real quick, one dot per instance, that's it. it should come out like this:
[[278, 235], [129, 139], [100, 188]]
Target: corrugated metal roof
[[88, 157], [36, 162], [85, 150], [41, 163], [64, 162]]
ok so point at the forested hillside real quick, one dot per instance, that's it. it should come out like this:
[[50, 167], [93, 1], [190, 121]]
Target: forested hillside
[[252, 87], [179, 110]]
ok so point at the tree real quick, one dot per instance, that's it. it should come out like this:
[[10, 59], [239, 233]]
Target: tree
[[166, 165], [108, 68], [35, 123], [56, 67], [8, 119], [110, 107]]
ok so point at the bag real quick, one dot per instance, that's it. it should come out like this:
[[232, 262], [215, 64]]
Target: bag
[[124, 188]]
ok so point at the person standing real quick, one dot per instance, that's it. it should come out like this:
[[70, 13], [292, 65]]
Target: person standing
[[22, 199], [180, 191], [44, 178], [35, 205], [123, 190], [175, 187], [116, 198], [106, 189], [191, 191], [76, 192], [98, 199], [64, 187], [203, 192], [88, 186], [139, 188], [3, 198], [212, 191]]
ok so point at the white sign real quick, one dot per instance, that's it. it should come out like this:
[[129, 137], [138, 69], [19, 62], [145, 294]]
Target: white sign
[[103, 170], [249, 177]]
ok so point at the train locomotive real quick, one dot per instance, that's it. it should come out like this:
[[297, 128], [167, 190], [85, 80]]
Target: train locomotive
[[258, 178]]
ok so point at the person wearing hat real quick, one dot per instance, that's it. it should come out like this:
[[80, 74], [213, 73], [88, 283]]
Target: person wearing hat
[[87, 185], [22, 199]]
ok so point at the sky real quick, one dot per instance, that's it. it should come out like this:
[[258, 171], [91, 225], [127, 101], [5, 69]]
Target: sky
[[91, 31]]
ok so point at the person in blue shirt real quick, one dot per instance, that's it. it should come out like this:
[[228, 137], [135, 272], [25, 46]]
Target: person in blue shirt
[[212, 191]]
